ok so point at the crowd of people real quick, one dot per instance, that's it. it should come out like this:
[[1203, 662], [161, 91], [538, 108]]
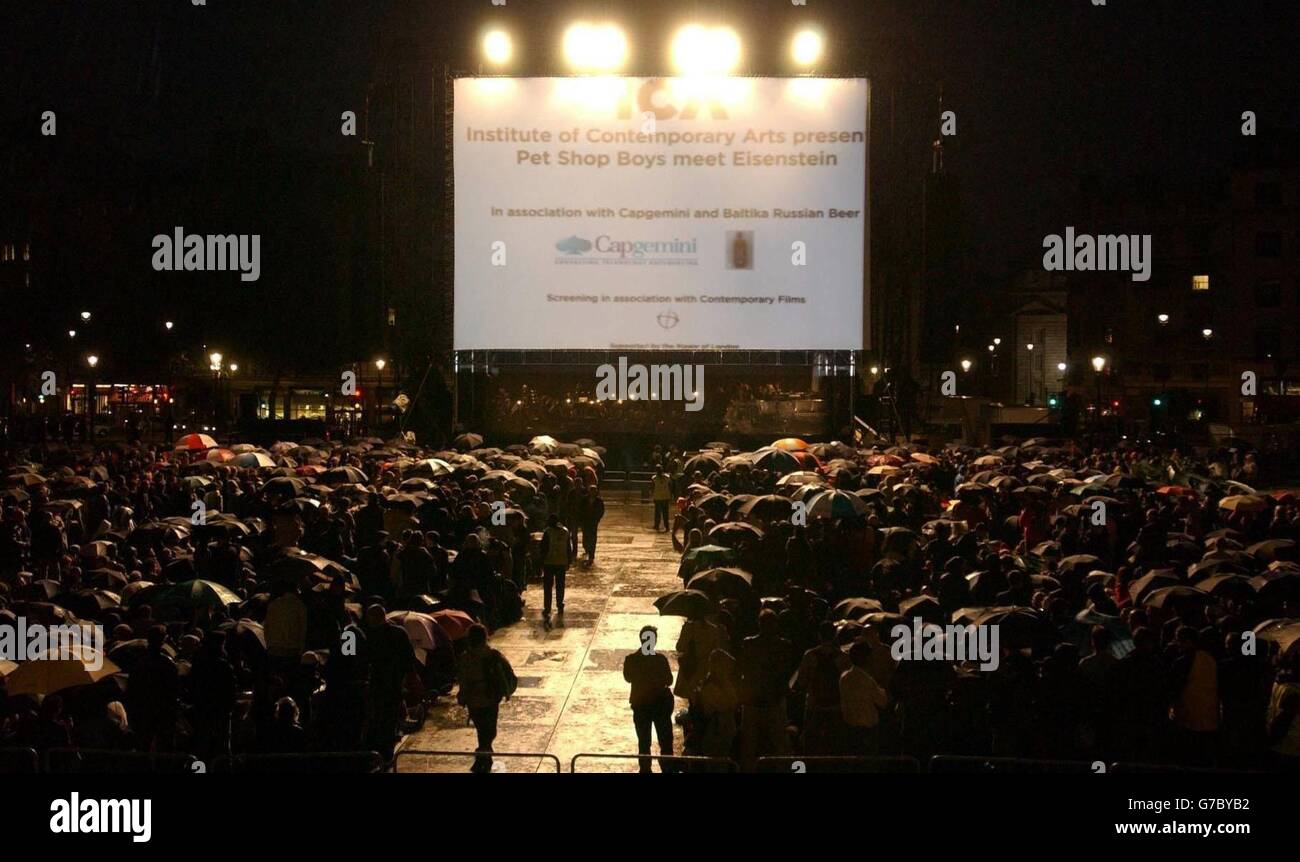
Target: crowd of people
[[316, 596], [306, 597], [1146, 604]]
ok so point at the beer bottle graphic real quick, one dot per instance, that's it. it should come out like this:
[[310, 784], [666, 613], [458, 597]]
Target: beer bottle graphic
[[740, 251]]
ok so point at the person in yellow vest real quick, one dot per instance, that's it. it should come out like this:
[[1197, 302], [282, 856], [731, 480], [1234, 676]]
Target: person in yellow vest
[[1284, 717], [556, 554], [1195, 710], [662, 497]]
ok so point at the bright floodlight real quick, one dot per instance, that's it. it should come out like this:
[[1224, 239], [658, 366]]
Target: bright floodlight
[[705, 51], [807, 47], [497, 48], [595, 47], [215, 359]]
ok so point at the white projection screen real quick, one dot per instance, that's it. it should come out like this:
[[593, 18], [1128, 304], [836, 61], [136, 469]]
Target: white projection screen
[[660, 213]]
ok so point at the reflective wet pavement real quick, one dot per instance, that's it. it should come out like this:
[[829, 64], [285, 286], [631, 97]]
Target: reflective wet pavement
[[571, 696]]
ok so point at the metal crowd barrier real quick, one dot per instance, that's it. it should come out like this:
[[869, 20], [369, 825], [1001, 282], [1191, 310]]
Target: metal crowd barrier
[[539, 756], [1125, 768], [683, 759], [62, 761], [948, 763], [306, 763], [19, 761], [878, 765]]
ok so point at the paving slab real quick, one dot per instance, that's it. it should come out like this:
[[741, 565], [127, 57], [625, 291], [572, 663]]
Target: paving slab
[[571, 697]]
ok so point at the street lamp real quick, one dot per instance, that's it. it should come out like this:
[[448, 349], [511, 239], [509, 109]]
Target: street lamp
[[92, 360], [168, 325], [1060, 366], [1098, 363], [1163, 318], [1207, 333], [215, 358], [85, 316], [234, 367], [997, 342], [965, 365], [72, 333]]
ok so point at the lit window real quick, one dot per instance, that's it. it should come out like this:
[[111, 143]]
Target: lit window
[[1200, 282], [27, 251]]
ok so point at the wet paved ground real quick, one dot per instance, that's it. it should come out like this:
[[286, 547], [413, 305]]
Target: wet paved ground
[[571, 696]]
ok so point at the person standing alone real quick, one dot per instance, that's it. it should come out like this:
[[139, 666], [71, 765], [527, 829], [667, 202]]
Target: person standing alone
[[662, 496], [651, 697]]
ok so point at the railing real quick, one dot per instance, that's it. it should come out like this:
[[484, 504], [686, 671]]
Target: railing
[[61, 761], [878, 765], [19, 761], [945, 763], [673, 759], [1153, 768], [540, 757], [306, 763]]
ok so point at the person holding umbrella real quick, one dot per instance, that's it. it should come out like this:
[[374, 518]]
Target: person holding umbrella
[[651, 697]]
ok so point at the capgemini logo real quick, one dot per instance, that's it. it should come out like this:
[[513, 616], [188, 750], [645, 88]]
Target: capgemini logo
[[574, 245]]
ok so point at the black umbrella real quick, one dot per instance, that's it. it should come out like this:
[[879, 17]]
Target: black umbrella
[[855, 609], [690, 603], [726, 583], [925, 607]]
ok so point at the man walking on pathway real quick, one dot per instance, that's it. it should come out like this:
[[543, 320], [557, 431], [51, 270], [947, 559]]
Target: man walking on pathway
[[593, 509], [486, 678], [556, 555]]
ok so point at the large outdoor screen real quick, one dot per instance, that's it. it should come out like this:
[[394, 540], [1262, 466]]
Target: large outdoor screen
[[660, 213]]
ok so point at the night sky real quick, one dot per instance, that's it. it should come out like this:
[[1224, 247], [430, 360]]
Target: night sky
[[1046, 92]]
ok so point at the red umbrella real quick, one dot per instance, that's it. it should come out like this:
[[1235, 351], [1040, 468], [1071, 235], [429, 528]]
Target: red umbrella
[[455, 623], [195, 443]]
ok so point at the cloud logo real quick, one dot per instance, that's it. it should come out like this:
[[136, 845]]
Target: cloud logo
[[574, 245]]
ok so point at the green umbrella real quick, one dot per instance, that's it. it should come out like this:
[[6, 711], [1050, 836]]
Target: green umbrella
[[196, 593]]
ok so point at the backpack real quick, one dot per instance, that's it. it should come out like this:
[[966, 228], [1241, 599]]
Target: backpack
[[502, 681]]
